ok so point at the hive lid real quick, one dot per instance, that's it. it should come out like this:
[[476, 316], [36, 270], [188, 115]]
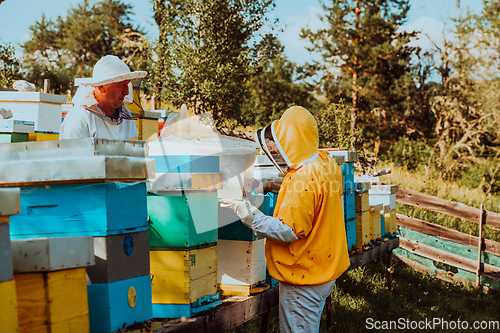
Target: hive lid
[[80, 169], [85, 147], [25, 96]]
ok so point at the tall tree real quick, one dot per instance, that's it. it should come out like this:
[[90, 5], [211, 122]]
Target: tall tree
[[273, 87], [9, 66], [205, 53], [69, 47], [365, 56]]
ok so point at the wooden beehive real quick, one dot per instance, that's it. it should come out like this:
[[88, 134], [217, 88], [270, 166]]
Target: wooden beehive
[[43, 136], [120, 257], [51, 283], [241, 267], [182, 219], [390, 222], [362, 229], [98, 209], [115, 305], [182, 277], [361, 202], [9, 205]]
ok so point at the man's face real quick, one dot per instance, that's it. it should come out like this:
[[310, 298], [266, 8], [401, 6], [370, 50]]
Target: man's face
[[114, 93]]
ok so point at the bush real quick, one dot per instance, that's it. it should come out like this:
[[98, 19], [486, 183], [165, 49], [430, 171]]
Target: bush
[[409, 153], [334, 127]]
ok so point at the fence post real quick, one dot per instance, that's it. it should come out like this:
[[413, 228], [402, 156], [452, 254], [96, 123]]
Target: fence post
[[479, 246]]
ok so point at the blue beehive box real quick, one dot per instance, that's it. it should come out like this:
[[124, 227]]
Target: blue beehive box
[[115, 305], [272, 282], [186, 163], [348, 176], [81, 209], [186, 310], [382, 224], [349, 205], [231, 228], [350, 229]]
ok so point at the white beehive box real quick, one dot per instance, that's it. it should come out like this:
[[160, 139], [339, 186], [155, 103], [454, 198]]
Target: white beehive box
[[383, 194], [241, 262], [16, 126], [45, 110]]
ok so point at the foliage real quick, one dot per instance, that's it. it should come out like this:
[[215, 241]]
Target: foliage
[[272, 88], [70, 46], [409, 153], [205, 55], [9, 66], [334, 127], [365, 56]]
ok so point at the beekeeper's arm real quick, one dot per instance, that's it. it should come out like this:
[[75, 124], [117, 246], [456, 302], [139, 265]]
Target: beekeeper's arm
[[263, 225]]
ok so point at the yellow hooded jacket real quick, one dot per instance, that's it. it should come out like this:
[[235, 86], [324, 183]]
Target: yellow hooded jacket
[[309, 201]]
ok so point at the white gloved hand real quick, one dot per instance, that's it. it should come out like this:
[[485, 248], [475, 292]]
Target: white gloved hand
[[244, 209]]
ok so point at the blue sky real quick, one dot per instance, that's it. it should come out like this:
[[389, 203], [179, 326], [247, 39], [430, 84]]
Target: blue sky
[[431, 16]]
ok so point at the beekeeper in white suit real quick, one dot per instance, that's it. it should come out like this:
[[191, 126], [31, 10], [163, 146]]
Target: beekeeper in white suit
[[99, 109]]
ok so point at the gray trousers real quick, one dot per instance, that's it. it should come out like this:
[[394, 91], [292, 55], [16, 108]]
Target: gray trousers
[[301, 306]]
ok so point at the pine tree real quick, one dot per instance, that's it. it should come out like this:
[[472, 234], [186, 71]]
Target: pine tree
[[366, 58]]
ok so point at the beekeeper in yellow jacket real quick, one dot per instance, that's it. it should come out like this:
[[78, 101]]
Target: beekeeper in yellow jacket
[[306, 246]]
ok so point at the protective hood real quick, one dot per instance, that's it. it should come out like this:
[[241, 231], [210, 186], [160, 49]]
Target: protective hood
[[295, 136]]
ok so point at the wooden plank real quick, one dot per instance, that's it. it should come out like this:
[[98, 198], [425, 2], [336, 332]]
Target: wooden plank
[[230, 314], [445, 233], [445, 257], [479, 246], [455, 209], [442, 275], [359, 259]]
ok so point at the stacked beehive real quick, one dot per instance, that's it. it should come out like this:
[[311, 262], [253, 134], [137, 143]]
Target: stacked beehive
[[41, 109], [362, 209], [182, 208], [9, 205], [89, 187], [241, 262], [14, 130], [51, 283], [375, 221], [347, 159], [385, 195], [147, 124]]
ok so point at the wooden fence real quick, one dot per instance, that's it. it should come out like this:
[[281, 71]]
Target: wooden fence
[[445, 253]]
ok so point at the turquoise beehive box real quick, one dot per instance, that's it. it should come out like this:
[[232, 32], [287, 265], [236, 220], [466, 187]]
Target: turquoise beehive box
[[98, 209], [182, 219]]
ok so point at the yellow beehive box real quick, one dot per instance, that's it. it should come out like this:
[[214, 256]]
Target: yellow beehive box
[[362, 229], [147, 128], [53, 301], [361, 202], [8, 306], [375, 225], [43, 136], [182, 277], [390, 222]]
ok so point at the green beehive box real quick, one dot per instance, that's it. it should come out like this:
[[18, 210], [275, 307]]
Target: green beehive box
[[231, 227], [13, 137], [182, 219]]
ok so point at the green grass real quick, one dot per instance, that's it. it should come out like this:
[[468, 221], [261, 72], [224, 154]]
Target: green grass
[[362, 294]]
